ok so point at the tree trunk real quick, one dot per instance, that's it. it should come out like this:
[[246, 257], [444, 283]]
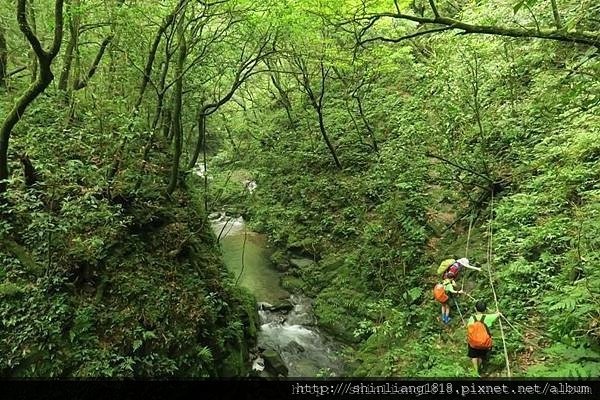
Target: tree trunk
[[201, 137], [80, 84], [166, 123], [34, 63], [160, 101], [319, 110], [285, 100], [3, 58], [44, 79], [63, 80], [177, 104], [153, 49], [366, 122], [74, 20], [556, 15]]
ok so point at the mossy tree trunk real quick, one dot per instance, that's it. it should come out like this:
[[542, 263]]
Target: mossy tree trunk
[[177, 105], [44, 78], [3, 58]]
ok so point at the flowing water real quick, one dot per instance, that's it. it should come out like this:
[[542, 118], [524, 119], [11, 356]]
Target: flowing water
[[290, 330]]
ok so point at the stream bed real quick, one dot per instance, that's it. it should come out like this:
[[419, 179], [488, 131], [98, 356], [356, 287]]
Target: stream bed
[[289, 341]]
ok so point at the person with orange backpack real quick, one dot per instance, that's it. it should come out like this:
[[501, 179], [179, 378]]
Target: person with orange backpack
[[442, 293], [479, 337]]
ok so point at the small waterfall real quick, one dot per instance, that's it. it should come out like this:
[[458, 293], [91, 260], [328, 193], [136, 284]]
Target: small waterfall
[[305, 350]]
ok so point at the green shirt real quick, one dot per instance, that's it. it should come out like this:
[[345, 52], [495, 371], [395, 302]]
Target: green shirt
[[488, 320], [449, 286]]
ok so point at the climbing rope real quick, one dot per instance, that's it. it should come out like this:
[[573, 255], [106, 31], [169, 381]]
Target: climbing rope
[[459, 312], [462, 285], [469, 296], [469, 236], [489, 260], [525, 328]]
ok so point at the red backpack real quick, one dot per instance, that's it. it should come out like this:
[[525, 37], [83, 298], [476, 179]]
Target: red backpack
[[439, 293], [455, 268], [478, 335]]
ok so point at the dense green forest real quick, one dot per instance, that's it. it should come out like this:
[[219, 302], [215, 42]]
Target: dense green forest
[[374, 137]]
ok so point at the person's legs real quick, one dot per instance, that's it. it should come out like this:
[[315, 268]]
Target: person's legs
[[483, 358], [476, 357], [445, 312], [475, 362], [473, 355]]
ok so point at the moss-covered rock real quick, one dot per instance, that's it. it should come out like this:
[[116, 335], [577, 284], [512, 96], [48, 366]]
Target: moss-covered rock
[[274, 363]]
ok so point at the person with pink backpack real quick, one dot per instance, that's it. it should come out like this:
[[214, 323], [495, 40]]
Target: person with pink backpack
[[442, 292], [455, 266]]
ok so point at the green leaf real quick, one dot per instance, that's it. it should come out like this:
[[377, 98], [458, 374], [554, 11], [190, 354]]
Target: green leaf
[[521, 3], [149, 335]]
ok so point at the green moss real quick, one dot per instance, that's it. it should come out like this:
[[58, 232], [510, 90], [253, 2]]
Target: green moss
[[9, 289], [235, 363], [292, 284], [158, 302], [21, 254]]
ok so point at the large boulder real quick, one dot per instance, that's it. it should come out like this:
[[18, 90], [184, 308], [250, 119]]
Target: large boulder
[[274, 363], [282, 306]]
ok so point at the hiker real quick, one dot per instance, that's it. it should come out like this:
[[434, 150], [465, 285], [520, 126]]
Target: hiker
[[455, 266], [443, 292], [479, 337]]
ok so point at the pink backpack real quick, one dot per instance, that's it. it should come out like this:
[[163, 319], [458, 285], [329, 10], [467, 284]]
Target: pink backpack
[[455, 268]]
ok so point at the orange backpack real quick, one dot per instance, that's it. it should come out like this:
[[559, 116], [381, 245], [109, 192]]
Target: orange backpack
[[478, 335], [439, 293]]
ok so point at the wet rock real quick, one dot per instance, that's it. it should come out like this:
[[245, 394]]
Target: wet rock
[[293, 347], [282, 266], [249, 185], [214, 216], [280, 261], [258, 364], [274, 362], [284, 306], [301, 262], [264, 306], [302, 318]]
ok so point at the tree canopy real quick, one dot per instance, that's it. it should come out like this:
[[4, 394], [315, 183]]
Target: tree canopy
[[383, 137]]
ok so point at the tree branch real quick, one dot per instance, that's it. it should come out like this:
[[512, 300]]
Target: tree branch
[[83, 83], [411, 36], [434, 8], [487, 178], [572, 36], [556, 15], [16, 71], [27, 31], [58, 28]]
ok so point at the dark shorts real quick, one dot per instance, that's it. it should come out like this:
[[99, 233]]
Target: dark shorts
[[476, 353]]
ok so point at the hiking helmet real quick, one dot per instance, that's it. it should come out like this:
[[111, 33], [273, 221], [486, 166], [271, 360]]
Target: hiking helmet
[[480, 306], [464, 261]]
